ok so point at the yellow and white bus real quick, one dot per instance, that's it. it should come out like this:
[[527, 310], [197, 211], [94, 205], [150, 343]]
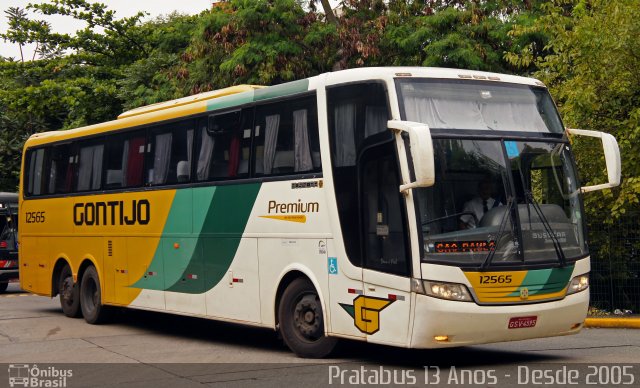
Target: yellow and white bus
[[413, 207]]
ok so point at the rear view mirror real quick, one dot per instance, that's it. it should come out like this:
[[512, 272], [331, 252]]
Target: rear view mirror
[[421, 152], [611, 157]]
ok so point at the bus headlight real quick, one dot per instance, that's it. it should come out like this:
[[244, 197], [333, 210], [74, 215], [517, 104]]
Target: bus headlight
[[449, 291], [579, 283]]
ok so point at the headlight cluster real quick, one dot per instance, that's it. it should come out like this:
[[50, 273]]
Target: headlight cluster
[[449, 291], [579, 283]]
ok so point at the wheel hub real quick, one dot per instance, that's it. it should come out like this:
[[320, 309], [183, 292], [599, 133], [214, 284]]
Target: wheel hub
[[67, 290], [307, 317]]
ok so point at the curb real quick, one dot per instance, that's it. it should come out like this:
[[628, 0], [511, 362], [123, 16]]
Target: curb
[[619, 323]]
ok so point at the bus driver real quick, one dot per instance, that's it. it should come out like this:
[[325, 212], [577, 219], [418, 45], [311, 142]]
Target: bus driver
[[478, 205]]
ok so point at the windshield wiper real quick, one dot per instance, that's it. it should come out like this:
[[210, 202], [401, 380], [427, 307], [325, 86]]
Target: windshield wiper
[[501, 230], [528, 195], [529, 199]]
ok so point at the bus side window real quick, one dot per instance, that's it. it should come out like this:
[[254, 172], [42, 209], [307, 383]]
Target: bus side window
[[286, 137], [124, 159], [35, 178], [89, 172], [223, 148], [61, 165], [169, 153]]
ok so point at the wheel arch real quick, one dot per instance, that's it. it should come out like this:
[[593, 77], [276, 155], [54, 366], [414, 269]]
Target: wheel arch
[[55, 275], [86, 263]]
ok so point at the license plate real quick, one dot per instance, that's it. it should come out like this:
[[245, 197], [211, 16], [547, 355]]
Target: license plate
[[522, 322]]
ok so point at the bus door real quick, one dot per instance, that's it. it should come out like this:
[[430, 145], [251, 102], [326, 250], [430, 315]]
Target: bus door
[[385, 308]]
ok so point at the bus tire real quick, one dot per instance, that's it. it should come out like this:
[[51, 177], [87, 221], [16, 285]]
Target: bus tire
[[93, 310], [301, 321], [3, 287], [69, 293]]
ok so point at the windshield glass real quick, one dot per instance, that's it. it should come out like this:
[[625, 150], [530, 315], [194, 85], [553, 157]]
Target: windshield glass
[[477, 105], [479, 202]]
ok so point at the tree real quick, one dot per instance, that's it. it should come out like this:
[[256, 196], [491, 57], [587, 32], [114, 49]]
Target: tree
[[590, 63]]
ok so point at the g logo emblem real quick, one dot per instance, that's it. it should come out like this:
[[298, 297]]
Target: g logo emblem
[[365, 312], [524, 293]]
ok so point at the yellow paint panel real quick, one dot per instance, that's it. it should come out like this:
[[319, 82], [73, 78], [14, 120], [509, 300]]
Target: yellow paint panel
[[68, 234], [495, 290], [501, 291]]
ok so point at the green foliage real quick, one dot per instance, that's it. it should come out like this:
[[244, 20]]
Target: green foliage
[[590, 63]]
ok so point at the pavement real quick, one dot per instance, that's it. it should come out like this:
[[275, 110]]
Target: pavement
[[140, 348]]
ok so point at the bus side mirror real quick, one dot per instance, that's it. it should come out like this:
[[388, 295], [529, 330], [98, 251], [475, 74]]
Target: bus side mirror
[[421, 152], [611, 157]]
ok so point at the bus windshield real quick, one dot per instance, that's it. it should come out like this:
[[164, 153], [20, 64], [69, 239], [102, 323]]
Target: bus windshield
[[515, 197], [478, 105]]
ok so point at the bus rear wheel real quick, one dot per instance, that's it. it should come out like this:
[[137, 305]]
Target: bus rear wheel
[[302, 321], [69, 293], [93, 310]]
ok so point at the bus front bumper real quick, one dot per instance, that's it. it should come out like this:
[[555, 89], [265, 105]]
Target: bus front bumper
[[441, 323]]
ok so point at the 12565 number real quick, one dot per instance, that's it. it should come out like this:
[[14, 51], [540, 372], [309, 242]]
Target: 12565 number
[[495, 279], [34, 217]]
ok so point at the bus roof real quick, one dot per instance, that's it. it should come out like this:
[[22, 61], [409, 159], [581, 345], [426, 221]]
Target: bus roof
[[188, 100]]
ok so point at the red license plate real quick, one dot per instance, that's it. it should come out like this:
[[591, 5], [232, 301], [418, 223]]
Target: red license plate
[[522, 322]]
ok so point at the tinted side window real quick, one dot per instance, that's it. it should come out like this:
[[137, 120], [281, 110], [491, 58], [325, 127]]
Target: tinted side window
[[357, 116], [61, 165], [35, 176], [356, 112], [169, 153], [286, 138], [89, 171], [124, 160], [223, 147]]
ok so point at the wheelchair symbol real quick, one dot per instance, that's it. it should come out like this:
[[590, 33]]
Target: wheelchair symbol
[[333, 266]]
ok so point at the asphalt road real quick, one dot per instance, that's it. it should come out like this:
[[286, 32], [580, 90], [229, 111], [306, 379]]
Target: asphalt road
[[142, 349]]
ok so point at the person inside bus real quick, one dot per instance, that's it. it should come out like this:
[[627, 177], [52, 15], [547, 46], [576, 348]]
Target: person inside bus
[[479, 205]]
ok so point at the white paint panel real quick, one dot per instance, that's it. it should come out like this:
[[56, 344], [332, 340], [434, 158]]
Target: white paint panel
[[150, 299], [238, 300], [277, 259], [340, 322]]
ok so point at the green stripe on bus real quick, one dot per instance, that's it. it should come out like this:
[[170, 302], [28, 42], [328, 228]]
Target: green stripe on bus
[[167, 264], [545, 281], [219, 238], [282, 90], [230, 100], [275, 91]]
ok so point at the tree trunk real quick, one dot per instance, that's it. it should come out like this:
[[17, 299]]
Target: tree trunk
[[328, 12]]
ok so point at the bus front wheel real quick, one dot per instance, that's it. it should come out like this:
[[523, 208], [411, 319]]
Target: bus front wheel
[[301, 321], [93, 310], [69, 293]]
